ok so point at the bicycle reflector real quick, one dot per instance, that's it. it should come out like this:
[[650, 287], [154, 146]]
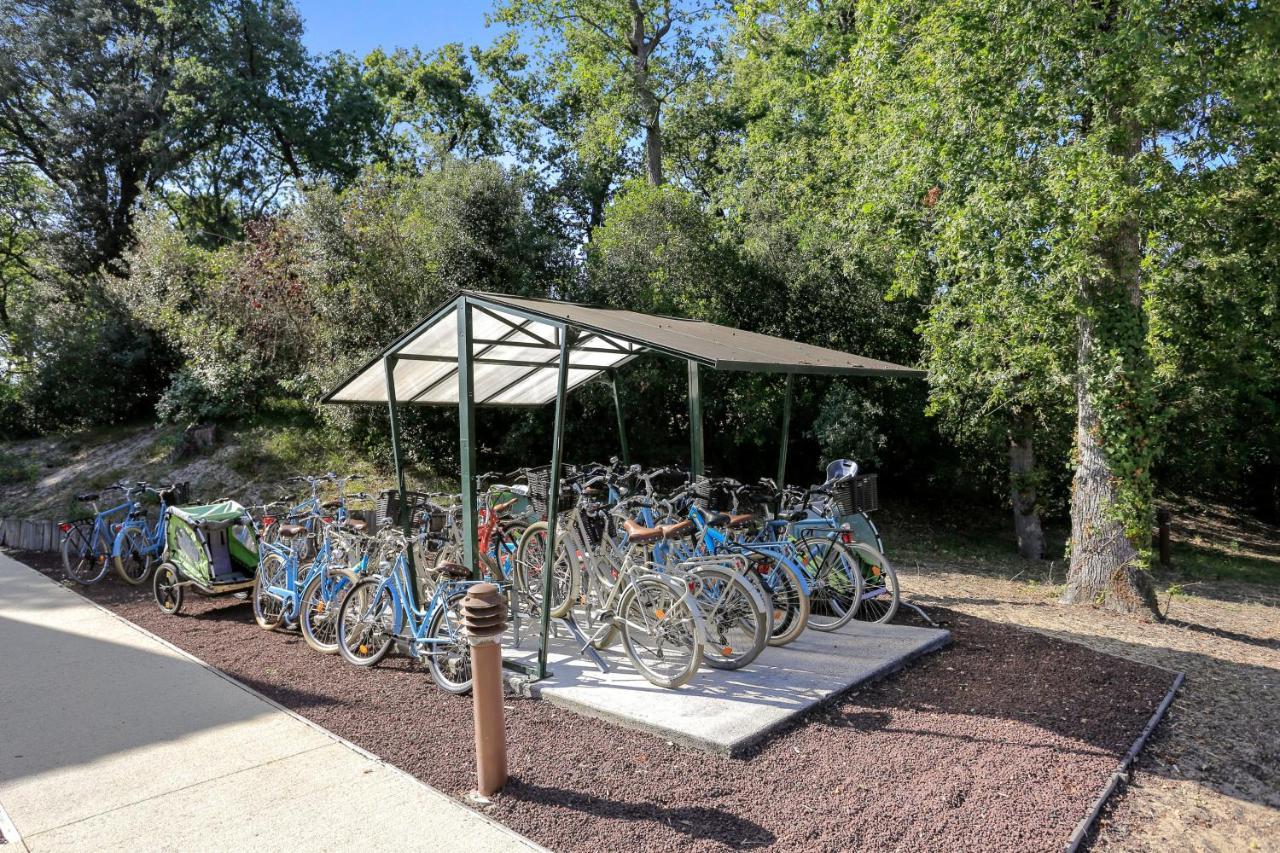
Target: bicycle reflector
[[268, 520], [328, 519], [115, 528], [65, 527]]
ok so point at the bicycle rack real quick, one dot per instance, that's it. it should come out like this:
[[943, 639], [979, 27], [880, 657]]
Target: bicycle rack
[[583, 641]]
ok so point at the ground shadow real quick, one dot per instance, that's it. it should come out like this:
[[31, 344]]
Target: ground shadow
[[694, 822], [70, 698]]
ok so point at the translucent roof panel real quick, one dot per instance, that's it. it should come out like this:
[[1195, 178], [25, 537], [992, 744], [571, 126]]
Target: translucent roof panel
[[516, 349]]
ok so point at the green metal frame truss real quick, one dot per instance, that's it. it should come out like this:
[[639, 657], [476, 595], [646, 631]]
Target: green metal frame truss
[[568, 333]]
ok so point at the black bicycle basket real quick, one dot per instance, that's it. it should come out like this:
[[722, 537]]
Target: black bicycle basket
[[388, 505], [540, 487], [857, 494], [712, 494]]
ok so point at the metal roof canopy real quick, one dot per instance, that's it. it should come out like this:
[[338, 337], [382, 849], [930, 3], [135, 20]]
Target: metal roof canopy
[[492, 349], [516, 342]]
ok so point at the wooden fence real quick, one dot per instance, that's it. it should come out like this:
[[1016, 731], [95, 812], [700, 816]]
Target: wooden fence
[[27, 534]]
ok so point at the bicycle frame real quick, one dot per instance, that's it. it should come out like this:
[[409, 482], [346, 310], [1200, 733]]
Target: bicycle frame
[[405, 609], [291, 593], [596, 563], [154, 537], [104, 525]]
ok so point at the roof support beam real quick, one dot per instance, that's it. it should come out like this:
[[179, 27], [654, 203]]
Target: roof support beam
[[617, 408], [464, 301], [786, 431], [467, 442], [494, 301], [522, 328], [406, 517], [695, 421], [553, 495]]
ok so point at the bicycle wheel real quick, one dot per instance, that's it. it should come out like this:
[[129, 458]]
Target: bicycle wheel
[[734, 613], [835, 583], [790, 603], [449, 655], [661, 631], [531, 560], [84, 554], [133, 562], [366, 618], [320, 602], [268, 608], [166, 589], [880, 593]]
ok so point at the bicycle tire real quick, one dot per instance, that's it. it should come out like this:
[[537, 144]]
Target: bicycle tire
[[652, 602], [268, 611], [82, 561], [370, 643], [449, 662], [133, 563], [835, 591], [318, 617], [790, 604], [530, 562], [728, 603], [881, 593]]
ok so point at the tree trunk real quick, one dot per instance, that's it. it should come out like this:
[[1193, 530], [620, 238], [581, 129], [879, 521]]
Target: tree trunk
[[1022, 492], [653, 151], [641, 48], [1109, 531], [1104, 566]]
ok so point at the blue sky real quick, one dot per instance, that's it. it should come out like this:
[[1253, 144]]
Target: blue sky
[[359, 27]]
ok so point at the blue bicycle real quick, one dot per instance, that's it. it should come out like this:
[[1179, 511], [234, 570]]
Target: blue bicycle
[[138, 544], [302, 523], [88, 544], [379, 612], [286, 593]]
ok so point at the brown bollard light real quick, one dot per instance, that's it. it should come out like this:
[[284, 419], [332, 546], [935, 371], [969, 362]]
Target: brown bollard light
[[484, 618]]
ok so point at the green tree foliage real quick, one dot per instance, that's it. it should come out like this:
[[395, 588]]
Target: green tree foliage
[[1013, 165], [431, 103], [585, 86], [214, 105], [306, 298]]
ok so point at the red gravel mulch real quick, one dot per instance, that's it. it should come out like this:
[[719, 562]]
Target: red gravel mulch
[[999, 742]]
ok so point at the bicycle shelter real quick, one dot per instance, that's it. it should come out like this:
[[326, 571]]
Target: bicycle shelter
[[490, 349]]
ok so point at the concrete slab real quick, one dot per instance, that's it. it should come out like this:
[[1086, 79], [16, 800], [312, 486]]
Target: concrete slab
[[112, 739], [726, 712]]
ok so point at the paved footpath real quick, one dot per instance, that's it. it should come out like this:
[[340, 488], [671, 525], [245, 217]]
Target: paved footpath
[[112, 739]]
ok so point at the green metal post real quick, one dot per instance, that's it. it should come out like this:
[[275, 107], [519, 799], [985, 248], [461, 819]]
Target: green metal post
[[695, 421], [553, 491], [467, 441], [617, 408], [786, 431], [405, 519]]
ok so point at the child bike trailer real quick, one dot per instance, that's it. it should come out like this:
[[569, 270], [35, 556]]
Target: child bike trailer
[[210, 549]]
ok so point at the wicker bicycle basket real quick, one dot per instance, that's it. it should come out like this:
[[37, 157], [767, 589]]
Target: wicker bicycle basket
[[712, 495], [857, 494], [540, 486], [388, 506]]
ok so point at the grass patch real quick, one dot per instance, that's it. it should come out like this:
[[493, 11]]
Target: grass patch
[[1214, 564], [17, 468]]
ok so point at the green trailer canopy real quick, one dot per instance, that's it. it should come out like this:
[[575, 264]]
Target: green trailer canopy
[[491, 349], [210, 513]]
